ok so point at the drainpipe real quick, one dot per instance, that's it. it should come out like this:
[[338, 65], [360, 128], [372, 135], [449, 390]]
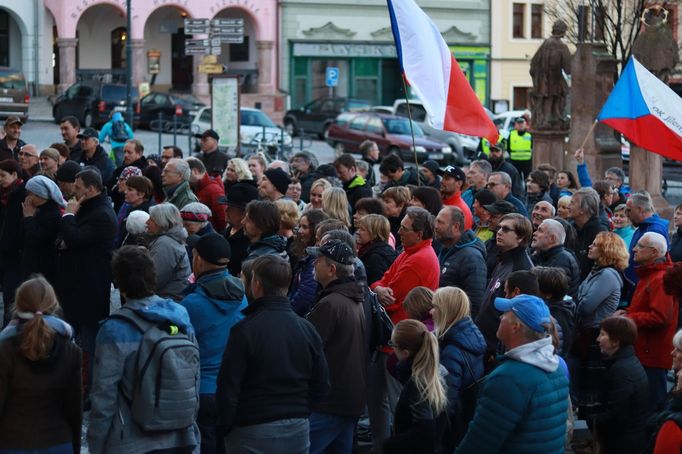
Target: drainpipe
[[36, 45]]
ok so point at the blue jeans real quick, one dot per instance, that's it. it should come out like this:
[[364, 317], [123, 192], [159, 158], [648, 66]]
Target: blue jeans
[[66, 448], [285, 436], [331, 433]]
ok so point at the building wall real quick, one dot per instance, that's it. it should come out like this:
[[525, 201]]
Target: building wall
[[94, 36]]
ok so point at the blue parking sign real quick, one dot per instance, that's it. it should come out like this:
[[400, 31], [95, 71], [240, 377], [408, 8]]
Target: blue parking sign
[[332, 76]]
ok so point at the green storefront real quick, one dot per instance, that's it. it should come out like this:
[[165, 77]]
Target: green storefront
[[368, 70]]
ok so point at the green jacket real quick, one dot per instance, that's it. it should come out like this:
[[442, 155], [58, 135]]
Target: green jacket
[[180, 195]]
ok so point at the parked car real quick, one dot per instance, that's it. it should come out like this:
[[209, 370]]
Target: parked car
[[391, 133], [316, 116], [92, 101], [183, 107], [14, 97], [254, 126], [463, 146], [382, 109]]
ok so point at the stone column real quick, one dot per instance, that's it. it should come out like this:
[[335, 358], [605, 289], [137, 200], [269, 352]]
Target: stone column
[[549, 147], [139, 68], [592, 73], [67, 62], [200, 87], [266, 57]]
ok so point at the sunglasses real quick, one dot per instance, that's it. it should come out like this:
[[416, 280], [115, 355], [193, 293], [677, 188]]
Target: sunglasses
[[506, 229]]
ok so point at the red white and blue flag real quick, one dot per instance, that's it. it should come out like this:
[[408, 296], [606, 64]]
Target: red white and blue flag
[[646, 111], [434, 74]]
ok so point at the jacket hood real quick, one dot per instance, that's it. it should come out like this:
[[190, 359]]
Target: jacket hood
[[178, 233], [277, 242], [659, 265], [466, 336], [159, 310], [469, 239], [117, 117], [539, 354], [222, 289], [566, 305], [347, 287]]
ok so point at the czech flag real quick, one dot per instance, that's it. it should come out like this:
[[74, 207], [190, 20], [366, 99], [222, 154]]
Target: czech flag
[[646, 111], [434, 74]]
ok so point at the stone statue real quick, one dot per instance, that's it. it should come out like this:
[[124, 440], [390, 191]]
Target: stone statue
[[655, 47], [548, 68]]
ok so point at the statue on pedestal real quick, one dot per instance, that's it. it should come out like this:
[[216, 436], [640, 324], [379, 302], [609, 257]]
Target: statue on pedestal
[[655, 47], [548, 68]]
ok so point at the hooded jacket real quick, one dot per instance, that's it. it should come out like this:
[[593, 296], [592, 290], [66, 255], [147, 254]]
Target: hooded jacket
[[209, 191], [268, 245], [463, 266], [339, 318], [106, 130], [653, 223], [560, 257], [625, 394], [563, 313], [598, 296], [356, 189], [214, 304], [656, 314], [522, 406], [171, 262], [111, 428]]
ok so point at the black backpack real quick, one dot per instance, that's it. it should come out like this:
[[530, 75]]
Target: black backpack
[[118, 131], [381, 325]]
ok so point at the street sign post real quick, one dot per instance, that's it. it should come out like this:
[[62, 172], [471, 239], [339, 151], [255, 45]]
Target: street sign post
[[227, 22], [332, 78], [197, 26]]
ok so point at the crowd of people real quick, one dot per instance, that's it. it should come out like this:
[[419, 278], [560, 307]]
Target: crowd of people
[[294, 307]]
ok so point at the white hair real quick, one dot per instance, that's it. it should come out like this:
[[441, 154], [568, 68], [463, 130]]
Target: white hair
[[181, 166], [136, 223], [551, 207], [657, 241], [555, 228]]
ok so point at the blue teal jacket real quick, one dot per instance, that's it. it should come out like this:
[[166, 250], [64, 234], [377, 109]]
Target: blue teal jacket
[[214, 304], [106, 131], [522, 406]]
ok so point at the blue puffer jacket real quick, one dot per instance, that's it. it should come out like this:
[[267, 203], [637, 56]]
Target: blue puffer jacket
[[653, 223], [214, 304], [461, 353], [522, 406], [304, 287], [111, 428]]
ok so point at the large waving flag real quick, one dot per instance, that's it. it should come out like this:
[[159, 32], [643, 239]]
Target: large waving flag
[[434, 74], [646, 111]]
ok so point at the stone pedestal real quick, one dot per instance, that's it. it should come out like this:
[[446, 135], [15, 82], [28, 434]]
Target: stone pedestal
[[139, 68], [549, 147], [67, 62], [646, 172], [592, 73]]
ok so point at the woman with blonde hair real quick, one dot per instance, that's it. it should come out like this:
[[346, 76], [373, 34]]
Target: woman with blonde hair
[[419, 419], [237, 171], [289, 214], [371, 238], [257, 165], [40, 377], [462, 349], [316, 190], [335, 204]]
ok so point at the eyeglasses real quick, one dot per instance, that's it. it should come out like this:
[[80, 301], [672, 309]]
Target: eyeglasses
[[404, 229], [643, 246], [506, 229], [25, 153], [491, 185]]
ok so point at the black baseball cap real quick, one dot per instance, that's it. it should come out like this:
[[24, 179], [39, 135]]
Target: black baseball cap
[[210, 133], [454, 172], [211, 247], [88, 133], [335, 250], [500, 207]]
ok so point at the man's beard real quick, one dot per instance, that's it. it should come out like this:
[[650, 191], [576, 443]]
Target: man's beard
[[495, 161]]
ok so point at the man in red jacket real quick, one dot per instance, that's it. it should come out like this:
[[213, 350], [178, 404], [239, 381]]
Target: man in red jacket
[[209, 191], [654, 312], [453, 178], [416, 266]]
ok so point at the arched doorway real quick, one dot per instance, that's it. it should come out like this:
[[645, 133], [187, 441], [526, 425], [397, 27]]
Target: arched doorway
[[10, 41], [241, 59], [164, 31], [100, 52]]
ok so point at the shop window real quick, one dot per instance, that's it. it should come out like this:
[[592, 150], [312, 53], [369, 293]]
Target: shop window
[[240, 52], [536, 17], [518, 16], [521, 98]]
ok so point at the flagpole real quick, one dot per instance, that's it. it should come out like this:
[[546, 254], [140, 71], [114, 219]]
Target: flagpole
[[589, 133], [414, 144]]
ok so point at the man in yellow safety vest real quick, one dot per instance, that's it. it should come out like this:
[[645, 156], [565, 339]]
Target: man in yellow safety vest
[[520, 147]]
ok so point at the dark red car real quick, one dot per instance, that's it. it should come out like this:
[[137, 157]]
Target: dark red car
[[391, 133]]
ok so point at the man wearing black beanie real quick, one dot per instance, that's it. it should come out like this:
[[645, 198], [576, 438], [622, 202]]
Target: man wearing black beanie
[[274, 184]]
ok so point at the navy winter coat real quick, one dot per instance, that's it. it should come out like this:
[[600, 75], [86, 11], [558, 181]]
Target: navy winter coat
[[463, 266]]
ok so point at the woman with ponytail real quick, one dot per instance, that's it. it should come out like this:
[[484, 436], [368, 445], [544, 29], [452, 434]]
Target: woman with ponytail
[[420, 419], [40, 377]]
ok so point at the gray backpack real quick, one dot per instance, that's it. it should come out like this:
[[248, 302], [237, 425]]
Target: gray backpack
[[163, 391]]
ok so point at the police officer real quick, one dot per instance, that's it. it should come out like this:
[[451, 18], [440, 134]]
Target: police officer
[[520, 146]]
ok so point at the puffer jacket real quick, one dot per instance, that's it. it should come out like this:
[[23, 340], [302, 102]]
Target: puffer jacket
[[560, 257], [268, 245], [656, 314], [214, 304], [171, 262], [463, 266], [522, 406], [461, 353], [598, 296], [111, 428]]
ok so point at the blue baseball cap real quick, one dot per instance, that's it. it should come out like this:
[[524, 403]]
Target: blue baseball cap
[[531, 310]]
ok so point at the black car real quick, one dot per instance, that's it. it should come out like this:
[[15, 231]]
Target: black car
[[183, 107], [317, 116], [92, 101]]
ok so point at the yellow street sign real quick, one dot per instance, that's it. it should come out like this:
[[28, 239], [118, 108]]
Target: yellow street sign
[[211, 68], [210, 60]]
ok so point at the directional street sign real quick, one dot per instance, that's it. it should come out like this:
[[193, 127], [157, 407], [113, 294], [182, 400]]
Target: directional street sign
[[227, 30], [197, 26], [190, 43], [216, 50], [197, 50], [230, 39], [220, 31], [332, 76], [211, 68], [227, 22]]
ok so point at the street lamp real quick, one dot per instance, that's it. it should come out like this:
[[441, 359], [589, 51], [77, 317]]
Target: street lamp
[[129, 66]]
